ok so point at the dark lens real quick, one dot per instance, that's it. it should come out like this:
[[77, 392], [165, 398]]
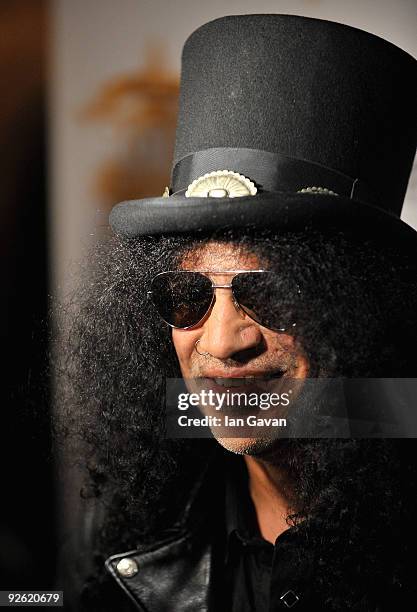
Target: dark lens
[[182, 298], [268, 298]]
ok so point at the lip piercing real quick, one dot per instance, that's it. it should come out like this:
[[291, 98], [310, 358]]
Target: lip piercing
[[196, 348]]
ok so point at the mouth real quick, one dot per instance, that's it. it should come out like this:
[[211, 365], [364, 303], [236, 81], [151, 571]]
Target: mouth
[[240, 396], [228, 381], [248, 380]]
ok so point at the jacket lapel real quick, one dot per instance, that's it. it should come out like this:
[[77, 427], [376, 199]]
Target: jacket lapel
[[173, 576]]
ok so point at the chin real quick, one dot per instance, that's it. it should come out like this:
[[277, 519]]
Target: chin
[[247, 446]]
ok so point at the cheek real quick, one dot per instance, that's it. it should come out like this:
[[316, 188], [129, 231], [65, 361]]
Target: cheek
[[279, 342], [284, 344], [251, 335], [184, 342]]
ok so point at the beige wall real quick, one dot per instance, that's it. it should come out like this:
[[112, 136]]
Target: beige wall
[[95, 40]]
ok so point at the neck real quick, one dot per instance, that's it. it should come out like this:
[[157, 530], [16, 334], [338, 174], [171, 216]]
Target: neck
[[269, 490]]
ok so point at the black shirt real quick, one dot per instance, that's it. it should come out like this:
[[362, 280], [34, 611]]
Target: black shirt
[[260, 576]]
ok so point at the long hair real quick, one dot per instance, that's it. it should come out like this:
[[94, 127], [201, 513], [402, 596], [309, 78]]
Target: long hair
[[358, 319]]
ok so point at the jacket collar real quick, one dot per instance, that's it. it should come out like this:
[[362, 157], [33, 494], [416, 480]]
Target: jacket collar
[[173, 573]]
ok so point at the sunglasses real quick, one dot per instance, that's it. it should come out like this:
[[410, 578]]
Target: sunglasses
[[183, 298]]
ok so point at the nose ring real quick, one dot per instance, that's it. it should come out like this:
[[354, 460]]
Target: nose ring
[[196, 348]]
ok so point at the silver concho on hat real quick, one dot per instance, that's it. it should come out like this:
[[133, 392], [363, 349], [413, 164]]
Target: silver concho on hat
[[221, 184], [319, 190]]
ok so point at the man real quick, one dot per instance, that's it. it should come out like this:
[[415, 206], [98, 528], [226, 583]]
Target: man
[[294, 146]]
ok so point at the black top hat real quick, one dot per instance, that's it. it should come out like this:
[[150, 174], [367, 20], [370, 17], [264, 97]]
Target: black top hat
[[286, 122]]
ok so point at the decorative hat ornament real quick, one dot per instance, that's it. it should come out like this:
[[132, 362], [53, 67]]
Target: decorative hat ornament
[[220, 184]]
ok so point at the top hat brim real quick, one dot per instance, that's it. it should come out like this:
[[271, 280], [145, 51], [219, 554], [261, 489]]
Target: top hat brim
[[280, 211]]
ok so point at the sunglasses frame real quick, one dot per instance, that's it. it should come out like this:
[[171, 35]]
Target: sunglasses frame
[[213, 287]]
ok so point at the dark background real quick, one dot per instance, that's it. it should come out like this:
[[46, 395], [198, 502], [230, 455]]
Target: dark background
[[27, 529]]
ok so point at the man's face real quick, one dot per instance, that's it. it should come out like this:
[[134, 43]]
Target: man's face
[[238, 346]]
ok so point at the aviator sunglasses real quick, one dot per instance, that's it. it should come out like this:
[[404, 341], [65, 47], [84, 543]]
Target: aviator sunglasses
[[183, 297]]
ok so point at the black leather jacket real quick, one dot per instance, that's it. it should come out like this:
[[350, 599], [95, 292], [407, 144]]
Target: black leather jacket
[[177, 573], [173, 574]]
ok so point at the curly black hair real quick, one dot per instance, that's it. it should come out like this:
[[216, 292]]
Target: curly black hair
[[355, 498]]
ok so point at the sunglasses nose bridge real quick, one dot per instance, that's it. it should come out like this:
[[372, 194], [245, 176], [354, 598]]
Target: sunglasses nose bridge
[[235, 302]]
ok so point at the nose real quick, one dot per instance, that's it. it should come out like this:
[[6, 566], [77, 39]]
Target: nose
[[227, 329]]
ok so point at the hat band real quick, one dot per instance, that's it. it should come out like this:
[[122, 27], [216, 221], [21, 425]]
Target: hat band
[[269, 171]]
